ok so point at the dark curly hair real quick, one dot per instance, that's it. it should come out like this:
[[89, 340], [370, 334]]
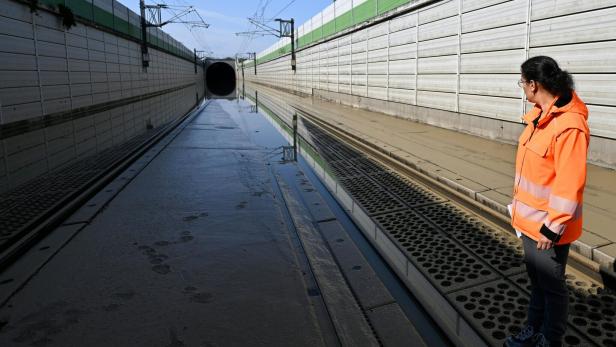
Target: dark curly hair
[[546, 71]]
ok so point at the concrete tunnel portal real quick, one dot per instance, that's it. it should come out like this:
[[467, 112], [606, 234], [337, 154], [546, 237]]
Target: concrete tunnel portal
[[220, 79]]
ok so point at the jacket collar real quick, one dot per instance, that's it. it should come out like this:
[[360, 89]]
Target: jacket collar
[[575, 105]]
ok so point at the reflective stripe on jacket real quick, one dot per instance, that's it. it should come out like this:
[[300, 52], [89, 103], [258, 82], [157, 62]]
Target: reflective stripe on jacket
[[551, 172]]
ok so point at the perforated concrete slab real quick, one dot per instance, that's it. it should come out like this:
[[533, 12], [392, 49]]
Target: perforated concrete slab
[[498, 309], [408, 192], [502, 251], [592, 309], [367, 166], [442, 260], [370, 196]]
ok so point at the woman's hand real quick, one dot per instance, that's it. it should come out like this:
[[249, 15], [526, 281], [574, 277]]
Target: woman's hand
[[544, 243]]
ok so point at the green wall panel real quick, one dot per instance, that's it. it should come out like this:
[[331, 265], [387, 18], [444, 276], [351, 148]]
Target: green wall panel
[[344, 21], [329, 28], [102, 17], [121, 25], [364, 11], [386, 5], [134, 31], [317, 34], [81, 8]]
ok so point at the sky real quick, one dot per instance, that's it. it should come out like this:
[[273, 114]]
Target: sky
[[227, 17]]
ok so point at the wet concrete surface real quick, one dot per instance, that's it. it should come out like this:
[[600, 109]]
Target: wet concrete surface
[[195, 251]]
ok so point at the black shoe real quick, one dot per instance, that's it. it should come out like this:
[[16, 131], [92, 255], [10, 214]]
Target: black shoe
[[525, 338], [542, 341]]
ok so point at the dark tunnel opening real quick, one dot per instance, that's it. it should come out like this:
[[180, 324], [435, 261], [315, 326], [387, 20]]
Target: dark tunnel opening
[[220, 79]]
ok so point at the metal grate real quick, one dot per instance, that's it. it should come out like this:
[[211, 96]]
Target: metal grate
[[592, 309], [405, 190], [370, 196], [347, 152], [368, 166], [500, 250], [498, 309], [342, 170], [447, 265]]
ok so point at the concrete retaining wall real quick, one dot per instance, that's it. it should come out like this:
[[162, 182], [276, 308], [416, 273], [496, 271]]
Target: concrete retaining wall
[[462, 58], [66, 94]]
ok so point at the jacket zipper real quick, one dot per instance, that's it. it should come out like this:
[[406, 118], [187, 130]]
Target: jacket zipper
[[517, 185]]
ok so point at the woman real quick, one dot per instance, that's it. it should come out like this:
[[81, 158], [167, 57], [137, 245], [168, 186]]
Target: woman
[[547, 196]]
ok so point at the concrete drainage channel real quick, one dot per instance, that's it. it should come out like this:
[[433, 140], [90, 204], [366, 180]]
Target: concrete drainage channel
[[465, 270]]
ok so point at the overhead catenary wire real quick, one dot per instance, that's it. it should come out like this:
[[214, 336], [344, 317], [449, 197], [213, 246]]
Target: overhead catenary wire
[[282, 10], [257, 15], [198, 38]]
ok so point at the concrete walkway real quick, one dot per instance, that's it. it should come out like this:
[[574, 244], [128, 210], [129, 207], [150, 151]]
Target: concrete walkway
[[480, 167]]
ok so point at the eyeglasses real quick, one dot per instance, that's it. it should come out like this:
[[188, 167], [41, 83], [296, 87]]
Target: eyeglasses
[[521, 83]]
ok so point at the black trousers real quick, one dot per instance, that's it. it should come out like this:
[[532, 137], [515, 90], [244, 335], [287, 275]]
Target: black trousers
[[549, 301]]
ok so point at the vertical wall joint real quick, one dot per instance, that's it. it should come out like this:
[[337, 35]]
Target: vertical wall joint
[[529, 7], [458, 67]]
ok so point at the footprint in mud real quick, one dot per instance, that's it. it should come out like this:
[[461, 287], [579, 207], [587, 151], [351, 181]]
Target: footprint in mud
[[155, 258], [162, 269], [241, 205], [193, 217], [202, 298], [158, 259], [127, 295], [189, 289], [111, 307], [185, 237]]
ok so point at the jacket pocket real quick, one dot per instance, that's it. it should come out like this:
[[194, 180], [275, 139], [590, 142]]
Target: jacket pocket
[[539, 145]]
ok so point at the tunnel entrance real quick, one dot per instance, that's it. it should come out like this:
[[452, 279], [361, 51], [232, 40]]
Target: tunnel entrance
[[220, 79]]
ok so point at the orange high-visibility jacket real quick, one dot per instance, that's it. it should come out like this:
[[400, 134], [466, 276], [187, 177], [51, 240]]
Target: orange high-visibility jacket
[[551, 172]]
